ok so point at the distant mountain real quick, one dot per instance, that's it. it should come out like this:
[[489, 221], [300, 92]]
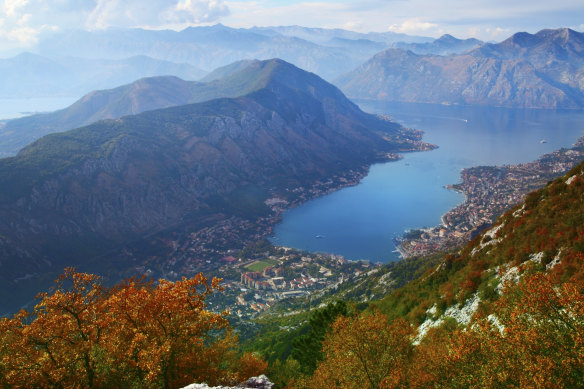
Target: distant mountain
[[210, 47], [31, 75], [28, 74], [561, 44], [544, 70], [228, 70], [76, 198], [237, 79], [143, 95], [557, 56], [445, 45], [326, 35]]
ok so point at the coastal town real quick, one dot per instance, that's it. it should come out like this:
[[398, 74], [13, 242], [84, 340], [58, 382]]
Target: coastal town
[[489, 191], [278, 273], [254, 279], [256, 274], [202, 249]]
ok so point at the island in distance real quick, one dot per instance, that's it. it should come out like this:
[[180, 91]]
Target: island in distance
[[110, 196]]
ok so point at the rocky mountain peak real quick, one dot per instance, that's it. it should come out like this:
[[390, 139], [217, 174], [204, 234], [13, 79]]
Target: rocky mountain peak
[[521, 39], [447, 38], [563, 35]]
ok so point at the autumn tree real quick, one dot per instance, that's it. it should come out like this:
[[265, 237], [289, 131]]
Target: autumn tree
[[58, 344], [137, 334], [543, 330], [365, 352]]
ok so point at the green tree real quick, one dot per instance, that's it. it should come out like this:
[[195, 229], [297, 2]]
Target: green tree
[[307, 348]]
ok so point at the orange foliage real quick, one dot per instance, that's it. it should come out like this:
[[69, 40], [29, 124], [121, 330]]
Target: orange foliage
[[250, 365], [536, 340], [365, 352], [136, 334]]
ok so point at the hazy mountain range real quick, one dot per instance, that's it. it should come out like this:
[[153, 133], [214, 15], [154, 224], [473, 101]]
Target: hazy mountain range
[[73, 197], [145, 94], [73, 63], [445, 45], [544, 70], [210, 47], [32, 75]]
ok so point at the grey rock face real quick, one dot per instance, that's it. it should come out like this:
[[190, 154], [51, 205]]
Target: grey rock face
[[261, 382]]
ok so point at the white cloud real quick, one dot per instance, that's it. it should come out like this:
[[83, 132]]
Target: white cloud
[[25, 35], [200, 11], [25, 20], [413, 26], [498, 33], [155, 13], [11, 7], [352, 25]]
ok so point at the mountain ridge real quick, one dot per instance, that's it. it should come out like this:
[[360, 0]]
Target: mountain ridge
[[444, 45], [237, 79], [93, 189], [540, 74], [209, 47]]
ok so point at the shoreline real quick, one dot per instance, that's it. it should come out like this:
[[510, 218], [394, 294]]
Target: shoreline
[[203, 249], [488, 192]]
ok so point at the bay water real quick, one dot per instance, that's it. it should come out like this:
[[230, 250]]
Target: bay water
[[360, 222]]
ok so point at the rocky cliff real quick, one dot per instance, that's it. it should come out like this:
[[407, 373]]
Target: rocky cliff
[[261, 382]]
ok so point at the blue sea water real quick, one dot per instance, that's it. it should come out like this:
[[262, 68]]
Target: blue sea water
[[360, 222]]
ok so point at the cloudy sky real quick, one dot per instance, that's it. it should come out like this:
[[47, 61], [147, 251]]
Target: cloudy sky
[[22, 22]]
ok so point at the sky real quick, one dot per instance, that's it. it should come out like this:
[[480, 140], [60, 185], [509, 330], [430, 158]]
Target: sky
[[23, 22]]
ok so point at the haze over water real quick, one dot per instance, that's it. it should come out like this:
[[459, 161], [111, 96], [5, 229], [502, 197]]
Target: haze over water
[[360, 222], [11, 108]]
